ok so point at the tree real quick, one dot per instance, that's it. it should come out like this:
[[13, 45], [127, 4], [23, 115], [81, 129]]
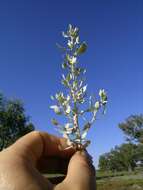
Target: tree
[[13, 122], [139, 154], [133, 128], [104, 162], [120, 158]]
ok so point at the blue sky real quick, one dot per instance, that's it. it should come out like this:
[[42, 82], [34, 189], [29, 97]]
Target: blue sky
[[30, 62]]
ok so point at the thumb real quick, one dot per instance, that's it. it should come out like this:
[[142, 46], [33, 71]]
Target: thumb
[[81, 172]]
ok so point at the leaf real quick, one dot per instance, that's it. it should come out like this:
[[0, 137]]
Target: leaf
[[67, 125], [65, 83], [52, 98], [81, 49], [68, 109], [86, 126], [65, 35], [68, 77], [77, 140], [84, 88], [55, 122], [84, 134], [103, 95], [56, 109], [97, 105], [64, 65], [77, 40]]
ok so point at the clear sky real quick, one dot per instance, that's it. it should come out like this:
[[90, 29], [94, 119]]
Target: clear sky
[[30, 62]]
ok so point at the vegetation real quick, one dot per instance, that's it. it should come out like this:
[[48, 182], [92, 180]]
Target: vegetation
[[73, 104], [119, 180], [127, 156], [133, 128], [13, 122]]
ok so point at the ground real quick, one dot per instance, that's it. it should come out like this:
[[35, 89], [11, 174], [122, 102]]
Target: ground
[[120, 181], [112, 181]]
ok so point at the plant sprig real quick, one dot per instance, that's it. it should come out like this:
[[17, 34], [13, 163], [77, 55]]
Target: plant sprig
[[69, 105]]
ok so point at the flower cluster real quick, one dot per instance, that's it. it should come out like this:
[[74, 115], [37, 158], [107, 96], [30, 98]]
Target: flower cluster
[[69, 104]]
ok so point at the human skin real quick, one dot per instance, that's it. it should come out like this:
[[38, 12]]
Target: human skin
[[21, 162]]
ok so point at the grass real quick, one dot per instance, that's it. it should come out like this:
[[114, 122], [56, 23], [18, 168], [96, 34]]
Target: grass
[[111, 180], [120, 181]]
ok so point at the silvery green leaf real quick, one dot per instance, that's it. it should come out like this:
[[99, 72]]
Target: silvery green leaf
[[84, 134], [56, 95], [69, 131], [70, 27], [64, 65], [72, 60], [76, 30], [77, 40], [61, 98], [81, 101], [68, 77], [97, 105], [75, 84], [55, 122], [84, 71], [102, 93], [68, 98], [103, 96], [84, 88], [64, 35], [67, 125], [63, 76], [70, 44], [68, 109], [77, 140], [65, 83], [52, 97], [56, 109], [80, 84]]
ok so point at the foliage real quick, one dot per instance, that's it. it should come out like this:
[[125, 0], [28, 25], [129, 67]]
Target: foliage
[[74, 104], [127, 156], [133, 128], [121, 158], [13, 122]]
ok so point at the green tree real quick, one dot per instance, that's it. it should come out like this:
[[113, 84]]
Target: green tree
[[104, 162], [13, 122], [133, 128], [120, 158], [129, 156]]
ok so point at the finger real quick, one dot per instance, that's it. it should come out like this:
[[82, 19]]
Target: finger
[[53, 165], [81, 173], [36, 145]]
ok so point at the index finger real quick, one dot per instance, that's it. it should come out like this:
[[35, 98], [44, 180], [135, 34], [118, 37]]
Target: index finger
[[41, 144]]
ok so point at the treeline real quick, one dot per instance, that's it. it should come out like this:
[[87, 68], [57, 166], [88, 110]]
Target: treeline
[[129, 155], [13, 121]]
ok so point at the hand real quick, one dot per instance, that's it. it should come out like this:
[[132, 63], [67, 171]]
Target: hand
[[21, 163]]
